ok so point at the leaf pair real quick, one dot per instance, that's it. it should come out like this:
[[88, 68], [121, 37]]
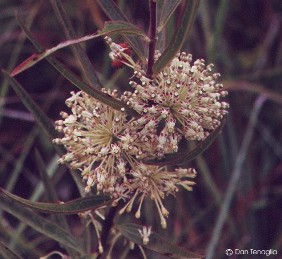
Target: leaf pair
[[17, 206]]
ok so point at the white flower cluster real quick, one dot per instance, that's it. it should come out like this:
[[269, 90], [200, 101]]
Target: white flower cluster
[[109, 147], [184, 97]]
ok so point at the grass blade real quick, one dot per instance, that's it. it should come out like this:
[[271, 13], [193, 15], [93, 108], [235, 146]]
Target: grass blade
[[49, 187], [156, 242], [71, 207], [218, 29], [235, 177], [39, 223], [19, 164], [242, 85], [179, 36], [7, 253]]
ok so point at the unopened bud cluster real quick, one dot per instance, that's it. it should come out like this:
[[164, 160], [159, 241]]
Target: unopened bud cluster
[[110, 149]]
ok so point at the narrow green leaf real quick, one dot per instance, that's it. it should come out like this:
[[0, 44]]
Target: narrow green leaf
[[24, 245], [156, 242], [115, 14], [38, 223], [7, 253], [85, 63], [49, 187], [220, 22], [91, 90], [183, 155], [167, 10], [179, 36], [71, 207], [36, 57]]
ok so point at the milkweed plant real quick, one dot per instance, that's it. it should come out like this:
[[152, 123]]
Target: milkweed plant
[[128, 148]]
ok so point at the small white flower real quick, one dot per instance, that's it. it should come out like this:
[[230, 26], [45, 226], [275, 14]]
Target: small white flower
[[145, 234]]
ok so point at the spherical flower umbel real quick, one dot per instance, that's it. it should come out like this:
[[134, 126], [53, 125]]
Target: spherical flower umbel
[[95, 136], [184, 97]]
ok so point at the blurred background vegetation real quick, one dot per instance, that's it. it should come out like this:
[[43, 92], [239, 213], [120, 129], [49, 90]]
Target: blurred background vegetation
[[237, 202]]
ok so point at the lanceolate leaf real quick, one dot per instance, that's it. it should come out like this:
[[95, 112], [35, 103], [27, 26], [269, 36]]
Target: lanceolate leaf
[[7, 253], [71, 207], [38, 223], [156, 242], [167, 10], [91, 90], [35, 58], [183, 156], [179, 36], [109, 28], [115, 14]]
